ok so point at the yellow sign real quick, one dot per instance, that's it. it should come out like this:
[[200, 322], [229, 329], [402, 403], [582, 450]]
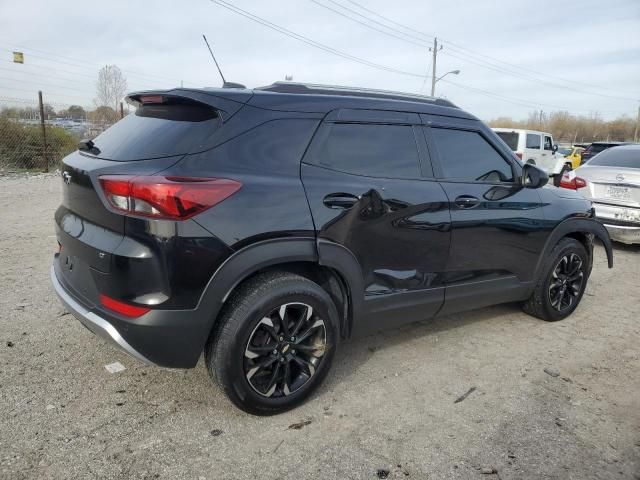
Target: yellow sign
[[18, 57]]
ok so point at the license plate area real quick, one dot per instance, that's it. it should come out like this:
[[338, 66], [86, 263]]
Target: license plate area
[[617, 192]]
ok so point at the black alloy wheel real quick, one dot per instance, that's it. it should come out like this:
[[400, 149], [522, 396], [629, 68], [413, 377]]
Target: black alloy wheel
[[284, 350], [566, 282]]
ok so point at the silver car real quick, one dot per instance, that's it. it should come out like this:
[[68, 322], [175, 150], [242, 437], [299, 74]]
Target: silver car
[[611, 179]]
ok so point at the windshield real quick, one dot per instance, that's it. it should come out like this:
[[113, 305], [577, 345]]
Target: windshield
[[510, 138], [565, 151], [617, 157], [158, 130]]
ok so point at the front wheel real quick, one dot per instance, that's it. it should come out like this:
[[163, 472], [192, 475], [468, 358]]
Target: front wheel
[[562, 282], [274, 343]]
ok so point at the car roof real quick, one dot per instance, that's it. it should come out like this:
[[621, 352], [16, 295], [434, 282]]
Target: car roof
[[518, 130], [610, 143], [312, 98]]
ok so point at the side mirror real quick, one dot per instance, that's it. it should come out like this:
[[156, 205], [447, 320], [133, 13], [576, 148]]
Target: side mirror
[[555, 148], [533, 177]]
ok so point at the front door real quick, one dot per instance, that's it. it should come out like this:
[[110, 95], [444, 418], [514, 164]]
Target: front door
[[497, 225], [371, 190]]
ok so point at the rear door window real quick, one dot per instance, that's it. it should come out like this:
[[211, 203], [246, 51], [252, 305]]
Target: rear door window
[[388, 151], [158, 130], [533, 141], [468, 156]]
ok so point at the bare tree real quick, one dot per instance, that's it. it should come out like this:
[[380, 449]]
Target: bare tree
[[111, 87]]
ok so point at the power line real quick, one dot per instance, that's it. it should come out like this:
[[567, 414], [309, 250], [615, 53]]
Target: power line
[[328, 49], [462, 50], [420, 44], [77, 63], [310, 42]]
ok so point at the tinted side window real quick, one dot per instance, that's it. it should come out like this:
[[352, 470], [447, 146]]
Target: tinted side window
[[372, 150], [468, 156], [533, 141]]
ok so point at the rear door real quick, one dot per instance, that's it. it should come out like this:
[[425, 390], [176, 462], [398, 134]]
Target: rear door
[[371, 190], [497, 226]]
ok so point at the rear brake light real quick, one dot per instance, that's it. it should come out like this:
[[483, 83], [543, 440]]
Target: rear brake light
[[519, 155], [122, 308], [170, 198], [571, 181]]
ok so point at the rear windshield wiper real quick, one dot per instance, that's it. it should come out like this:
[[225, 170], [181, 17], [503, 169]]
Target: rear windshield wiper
[[88, 146]]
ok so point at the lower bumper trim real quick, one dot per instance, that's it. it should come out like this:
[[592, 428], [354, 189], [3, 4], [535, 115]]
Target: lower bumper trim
[[93, 322], [622, 233]]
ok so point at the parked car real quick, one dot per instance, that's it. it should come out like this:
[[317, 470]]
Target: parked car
[[573, 154], [611, 180], [263, 226], [537, 148], [597, 147]]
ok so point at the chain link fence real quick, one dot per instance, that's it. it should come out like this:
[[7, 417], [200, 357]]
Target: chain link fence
[[28, 144]]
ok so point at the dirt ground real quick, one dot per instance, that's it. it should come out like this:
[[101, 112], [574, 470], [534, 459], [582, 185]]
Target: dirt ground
[[387, 410]]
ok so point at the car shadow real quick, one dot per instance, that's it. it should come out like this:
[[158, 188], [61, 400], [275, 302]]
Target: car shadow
[[354, 353]]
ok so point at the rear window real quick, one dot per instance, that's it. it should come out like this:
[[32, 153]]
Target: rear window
[[617, 157], [158, 130], [510, 138]]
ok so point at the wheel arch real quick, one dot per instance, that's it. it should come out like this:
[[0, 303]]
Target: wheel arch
[[581, 229], [295, 255]]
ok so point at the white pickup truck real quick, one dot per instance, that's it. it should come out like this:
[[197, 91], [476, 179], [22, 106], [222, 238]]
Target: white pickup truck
[[536, 147]]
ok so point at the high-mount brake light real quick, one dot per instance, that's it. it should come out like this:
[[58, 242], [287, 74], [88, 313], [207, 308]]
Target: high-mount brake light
[[124, 309], [572, 182], [145, 99], [168, 197]]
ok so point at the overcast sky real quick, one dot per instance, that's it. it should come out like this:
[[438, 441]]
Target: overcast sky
[[581, 56]]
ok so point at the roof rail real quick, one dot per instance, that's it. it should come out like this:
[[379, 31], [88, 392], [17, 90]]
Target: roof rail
[[314, 89]]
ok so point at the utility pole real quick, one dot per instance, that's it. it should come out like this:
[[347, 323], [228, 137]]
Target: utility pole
[[433, 76], [635, 134], [44, 133]]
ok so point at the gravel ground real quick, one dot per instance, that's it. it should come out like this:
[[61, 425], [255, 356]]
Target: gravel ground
[[551, 400]]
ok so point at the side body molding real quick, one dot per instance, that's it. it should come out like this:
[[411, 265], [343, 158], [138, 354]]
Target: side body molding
[[340, 259]]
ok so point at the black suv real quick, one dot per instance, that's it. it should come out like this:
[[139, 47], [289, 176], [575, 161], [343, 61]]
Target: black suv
[[263, 226], [597, 147]]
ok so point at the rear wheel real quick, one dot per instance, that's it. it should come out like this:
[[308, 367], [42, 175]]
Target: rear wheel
[[562, 282], [274, 343]]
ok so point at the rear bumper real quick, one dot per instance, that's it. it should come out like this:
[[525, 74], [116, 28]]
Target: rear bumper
[[623, 234], [166, 338], [97, 324], [621, 222]]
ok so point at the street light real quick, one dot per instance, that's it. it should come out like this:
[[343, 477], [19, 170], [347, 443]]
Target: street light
[[433, 90]]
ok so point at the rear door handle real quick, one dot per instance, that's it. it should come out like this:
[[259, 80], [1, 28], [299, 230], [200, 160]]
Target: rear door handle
[[467, 201], [340, 200]]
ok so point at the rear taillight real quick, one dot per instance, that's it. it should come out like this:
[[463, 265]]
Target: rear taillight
[[571, 181], [124, 309], [519, 155], [171, 198]]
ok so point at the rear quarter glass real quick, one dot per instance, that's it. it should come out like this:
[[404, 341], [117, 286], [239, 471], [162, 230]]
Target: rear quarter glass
[[158, 130]]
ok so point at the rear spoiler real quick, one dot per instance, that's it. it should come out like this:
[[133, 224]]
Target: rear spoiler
[[227, 101]]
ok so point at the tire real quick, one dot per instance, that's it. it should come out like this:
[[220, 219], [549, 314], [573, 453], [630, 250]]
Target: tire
[[541, 304], [558, 178], [251, 333]]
